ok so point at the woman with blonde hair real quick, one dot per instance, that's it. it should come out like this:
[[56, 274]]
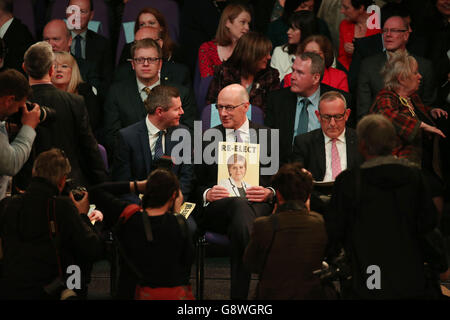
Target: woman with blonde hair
[[67, 77], [234, 22], [413, 121]]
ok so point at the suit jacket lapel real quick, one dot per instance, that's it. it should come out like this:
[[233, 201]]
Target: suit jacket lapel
[[289, 115], [145, 145], [135, 102], [319, 147], [350, 141]]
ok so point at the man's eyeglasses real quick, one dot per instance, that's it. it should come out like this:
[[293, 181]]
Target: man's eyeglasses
[[142, 60], [328, 117], [228, 108], [393, 30]]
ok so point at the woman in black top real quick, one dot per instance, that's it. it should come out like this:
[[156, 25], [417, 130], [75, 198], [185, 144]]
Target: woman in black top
[[158, 256]]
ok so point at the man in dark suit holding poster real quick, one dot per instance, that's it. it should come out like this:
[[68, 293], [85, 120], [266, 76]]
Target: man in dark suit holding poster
[[234, 216]]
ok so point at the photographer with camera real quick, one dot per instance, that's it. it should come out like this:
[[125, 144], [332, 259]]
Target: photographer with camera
[[69, 130], [43, 233], [155, 246], [14, 92]]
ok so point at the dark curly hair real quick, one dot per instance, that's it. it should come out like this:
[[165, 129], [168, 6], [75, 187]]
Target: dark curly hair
[[292, 182]]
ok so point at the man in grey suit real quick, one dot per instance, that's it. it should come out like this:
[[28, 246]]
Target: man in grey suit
[[332, 148], [396, 31], [124, 104]]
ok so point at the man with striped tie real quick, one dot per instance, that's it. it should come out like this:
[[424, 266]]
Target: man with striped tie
[[140, 146]]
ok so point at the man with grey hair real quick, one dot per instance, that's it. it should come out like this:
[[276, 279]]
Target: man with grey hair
[[379, 212], [140, 146], [69, 131], [291, 110], [332, 148], [36, 255], [396, 31]]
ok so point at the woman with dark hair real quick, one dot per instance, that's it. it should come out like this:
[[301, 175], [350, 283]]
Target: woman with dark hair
[[302, 25], [151, 17], [234, 22], [277, 30], [287, 246], [248, 66], [155, 244], [322, 46], [354, 26]]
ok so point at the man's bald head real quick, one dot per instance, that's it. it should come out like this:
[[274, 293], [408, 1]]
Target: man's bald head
[[236, 90], [235, 98], [147, 33], [57, 34]]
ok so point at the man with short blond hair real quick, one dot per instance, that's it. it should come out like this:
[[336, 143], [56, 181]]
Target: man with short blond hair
[[125, 100]]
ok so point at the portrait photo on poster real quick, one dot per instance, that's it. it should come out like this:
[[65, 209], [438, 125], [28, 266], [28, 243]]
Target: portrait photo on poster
[[238, 167]]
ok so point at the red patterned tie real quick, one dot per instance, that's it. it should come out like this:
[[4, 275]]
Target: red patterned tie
[[335, 160]]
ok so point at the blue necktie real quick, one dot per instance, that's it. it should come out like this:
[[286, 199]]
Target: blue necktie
[[158, 147], [78, 47], [303, 118]]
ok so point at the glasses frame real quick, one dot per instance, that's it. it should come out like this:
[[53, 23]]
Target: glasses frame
[[228, 108], [328, 117], [150, 60], [393, 30]]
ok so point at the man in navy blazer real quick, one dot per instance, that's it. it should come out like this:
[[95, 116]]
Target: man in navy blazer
[[139, 146], [285, 107]]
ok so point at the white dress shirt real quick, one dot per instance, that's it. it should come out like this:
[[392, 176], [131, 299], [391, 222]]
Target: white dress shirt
[[342, 150], [153, 133], [141, 87], [244, 133], [5, 27]]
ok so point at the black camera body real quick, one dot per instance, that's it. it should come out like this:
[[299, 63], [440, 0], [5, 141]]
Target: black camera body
[[47, 114], [78, 193]]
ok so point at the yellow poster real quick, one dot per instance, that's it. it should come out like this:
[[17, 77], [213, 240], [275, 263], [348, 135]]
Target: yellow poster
[[238, 167]]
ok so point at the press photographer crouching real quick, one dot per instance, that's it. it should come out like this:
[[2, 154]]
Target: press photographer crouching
[[155, 245], [43, 233], [14, 92]]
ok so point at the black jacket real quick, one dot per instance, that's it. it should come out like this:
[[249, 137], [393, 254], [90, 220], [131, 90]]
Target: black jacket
[[380, 219], [71, 132], [30, 260]]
